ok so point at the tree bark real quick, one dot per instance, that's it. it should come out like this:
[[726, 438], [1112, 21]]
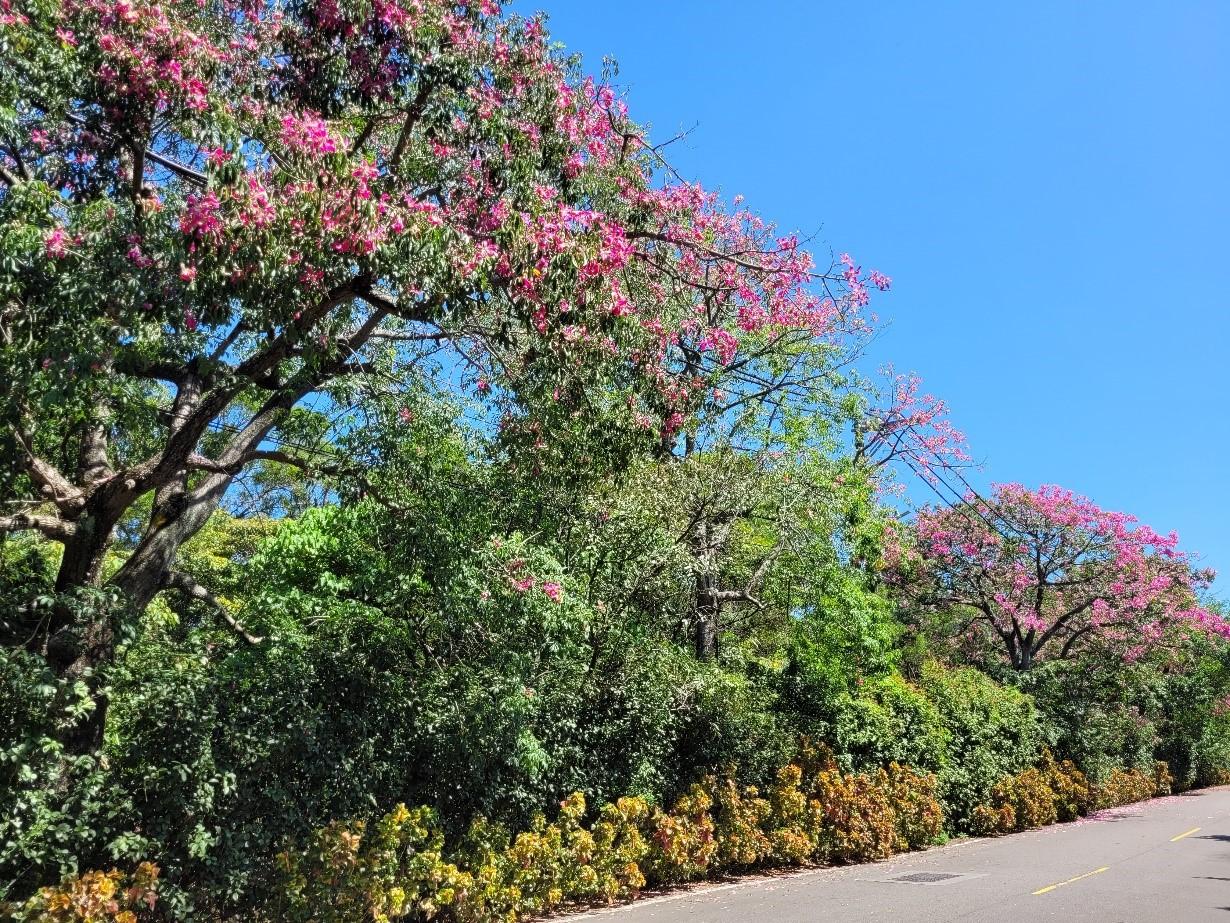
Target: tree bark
[[708, 613]]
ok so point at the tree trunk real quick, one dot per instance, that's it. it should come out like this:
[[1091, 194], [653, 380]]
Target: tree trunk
[[172, 523], [77, 648], [80, 650], [708, 611]]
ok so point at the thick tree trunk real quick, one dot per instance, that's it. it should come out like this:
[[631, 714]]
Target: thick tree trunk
[[77, 648], [80, 650], [84, 552], [708, 612], [172, 523]]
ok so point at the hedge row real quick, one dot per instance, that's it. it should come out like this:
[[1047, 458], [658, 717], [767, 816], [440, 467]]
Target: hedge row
[[398, 868], [1058, 791], [812, 813]]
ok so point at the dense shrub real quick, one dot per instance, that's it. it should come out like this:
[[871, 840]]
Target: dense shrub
[[986, 820], [1124, 786], [812, 812], [915, 800], [857, 822], [682, 843], [1032, 800], [346, 873], [1073, 793], [793, 819], [1210, 762], [92, 897], [739, 815], [1058, 791], [995, 731], [1037, 796], [890, 720]]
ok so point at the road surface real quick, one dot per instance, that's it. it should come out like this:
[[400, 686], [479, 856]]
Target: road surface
[[1165, 861]]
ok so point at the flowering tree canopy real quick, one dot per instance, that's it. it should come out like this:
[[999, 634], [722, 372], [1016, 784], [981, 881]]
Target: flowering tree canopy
[[1047, 574], [213, 211]]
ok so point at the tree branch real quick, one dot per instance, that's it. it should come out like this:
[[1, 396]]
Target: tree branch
[[177, 580], [50, 526]]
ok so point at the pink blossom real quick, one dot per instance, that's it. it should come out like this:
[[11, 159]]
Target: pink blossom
[[55, 243]]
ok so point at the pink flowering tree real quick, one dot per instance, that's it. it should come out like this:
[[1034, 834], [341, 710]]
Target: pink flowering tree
[[911, 429], [217, 215], [1046, 574]]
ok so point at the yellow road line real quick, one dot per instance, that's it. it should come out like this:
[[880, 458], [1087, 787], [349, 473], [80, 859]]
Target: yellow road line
[[1060, 884], [1175, 839]]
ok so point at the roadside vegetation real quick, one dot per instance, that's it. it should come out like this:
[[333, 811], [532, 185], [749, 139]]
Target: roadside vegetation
[[418, 502]]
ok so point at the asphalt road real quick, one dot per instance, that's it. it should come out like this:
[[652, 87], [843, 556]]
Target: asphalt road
[[1166, 861]]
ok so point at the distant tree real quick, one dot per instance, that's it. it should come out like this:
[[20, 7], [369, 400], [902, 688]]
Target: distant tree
[[1045, 574]]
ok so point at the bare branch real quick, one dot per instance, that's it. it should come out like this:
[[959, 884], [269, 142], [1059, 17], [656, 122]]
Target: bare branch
[[177, 580]]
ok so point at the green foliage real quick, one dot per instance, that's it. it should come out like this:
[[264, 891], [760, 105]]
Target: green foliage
[[57, 811], [1210, 763], [477, 518], [995, 731]]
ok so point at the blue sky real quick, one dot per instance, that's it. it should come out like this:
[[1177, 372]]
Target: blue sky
[[1046, 183]]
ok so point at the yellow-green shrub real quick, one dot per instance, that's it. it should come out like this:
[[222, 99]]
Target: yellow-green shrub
[[812, 812], [988, 821], [620, 847], [1163, 781], [856, 822], [483, 855], [92, 897], [345, 873], [1124, 786], [682, 845], [1028, 795], [739, 818], [551, 863], [792, 826], [916, 804], [1055, 791], [1073, 793]]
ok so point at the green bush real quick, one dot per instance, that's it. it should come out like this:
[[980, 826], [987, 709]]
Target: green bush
[[890, 720], [1210, 762], [995, 731]]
